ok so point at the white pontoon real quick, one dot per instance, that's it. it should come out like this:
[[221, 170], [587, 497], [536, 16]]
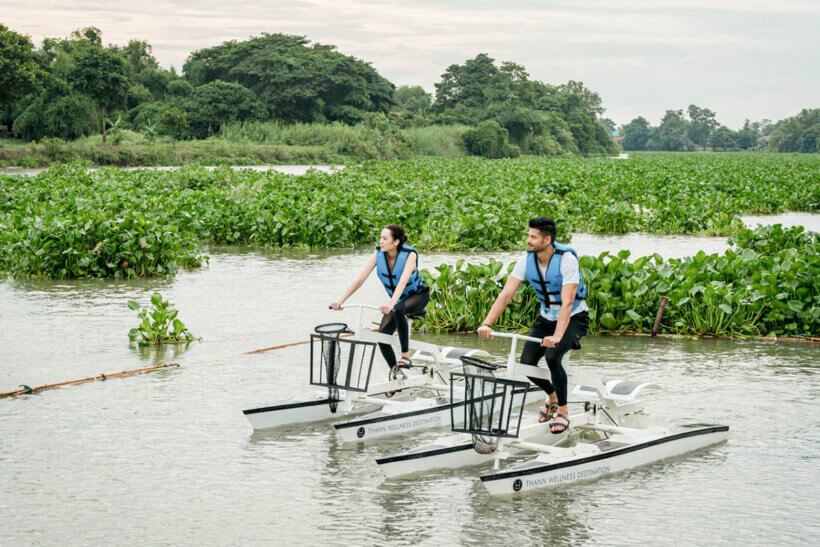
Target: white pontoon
[[341, 362], [610, 433]]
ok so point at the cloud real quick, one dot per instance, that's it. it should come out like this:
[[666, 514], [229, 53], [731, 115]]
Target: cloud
[[723, 54]]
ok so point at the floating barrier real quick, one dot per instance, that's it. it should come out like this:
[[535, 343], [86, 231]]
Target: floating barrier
[[27, 390]]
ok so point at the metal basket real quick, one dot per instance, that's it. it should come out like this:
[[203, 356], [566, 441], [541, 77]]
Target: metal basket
[[340, 363], [490, 408]]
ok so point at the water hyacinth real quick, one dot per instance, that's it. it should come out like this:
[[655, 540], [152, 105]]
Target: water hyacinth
[[69, 222], [765, 285], [160, 325]]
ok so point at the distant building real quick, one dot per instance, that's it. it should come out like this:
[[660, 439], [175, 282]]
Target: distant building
[[617, 138]]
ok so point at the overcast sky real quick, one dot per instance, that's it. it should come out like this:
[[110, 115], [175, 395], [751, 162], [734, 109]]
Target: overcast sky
[[741, 58]]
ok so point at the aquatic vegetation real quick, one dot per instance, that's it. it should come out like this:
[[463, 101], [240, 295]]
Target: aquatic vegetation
[[766, 284], [160, 325], [68, 222]]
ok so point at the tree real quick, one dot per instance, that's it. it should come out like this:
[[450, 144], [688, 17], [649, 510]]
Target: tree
[[800, 133], [609, 125], [590, 98], [722, 137], [702, 124], [179, 88], [489, 139], [747, 136], [173, 123], [296, 81], [102, 75], [20, 74], [218, 102], [412, 99], [465, 84], [139, 55], [636, 134], [519, 121], [671, 133]]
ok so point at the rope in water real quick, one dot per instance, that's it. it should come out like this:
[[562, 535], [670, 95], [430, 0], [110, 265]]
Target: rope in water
[[26, 390]]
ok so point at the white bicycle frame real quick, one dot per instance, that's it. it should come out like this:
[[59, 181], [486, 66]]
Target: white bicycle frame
[[420, 380]]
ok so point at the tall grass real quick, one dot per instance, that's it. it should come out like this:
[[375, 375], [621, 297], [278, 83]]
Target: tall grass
[[357, 141], [436, 140]]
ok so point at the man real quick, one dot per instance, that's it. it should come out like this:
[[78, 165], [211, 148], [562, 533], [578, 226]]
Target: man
[[552, 270]]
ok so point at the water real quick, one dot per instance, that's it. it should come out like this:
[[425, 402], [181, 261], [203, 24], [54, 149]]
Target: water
[[811, 221], [168, 457]]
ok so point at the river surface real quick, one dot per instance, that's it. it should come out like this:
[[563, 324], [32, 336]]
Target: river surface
[[168, 457]]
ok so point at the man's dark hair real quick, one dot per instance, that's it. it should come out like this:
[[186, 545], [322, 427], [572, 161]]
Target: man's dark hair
[[545, 225]]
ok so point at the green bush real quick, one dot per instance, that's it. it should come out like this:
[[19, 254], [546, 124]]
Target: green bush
[[766, 286], [489, 140], [542, 145]]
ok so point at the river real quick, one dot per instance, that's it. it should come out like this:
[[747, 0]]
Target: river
[[168, 457]]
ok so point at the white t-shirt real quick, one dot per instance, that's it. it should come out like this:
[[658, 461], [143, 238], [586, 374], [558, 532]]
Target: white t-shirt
[[570, 273]]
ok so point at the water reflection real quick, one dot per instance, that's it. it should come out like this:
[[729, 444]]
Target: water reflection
[[178, 436]]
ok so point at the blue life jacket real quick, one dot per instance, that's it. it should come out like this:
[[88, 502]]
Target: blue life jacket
[[549, 289], [415, 284]]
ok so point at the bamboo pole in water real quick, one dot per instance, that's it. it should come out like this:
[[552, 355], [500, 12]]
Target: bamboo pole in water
[[25, 390]]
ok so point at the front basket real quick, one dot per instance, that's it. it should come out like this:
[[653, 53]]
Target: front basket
[[340, 363], [492, 407]]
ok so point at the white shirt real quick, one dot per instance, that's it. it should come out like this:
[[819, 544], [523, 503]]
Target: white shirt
[[570, 273]]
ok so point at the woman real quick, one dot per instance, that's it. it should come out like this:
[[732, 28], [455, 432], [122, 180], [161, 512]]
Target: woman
[[397, 267]]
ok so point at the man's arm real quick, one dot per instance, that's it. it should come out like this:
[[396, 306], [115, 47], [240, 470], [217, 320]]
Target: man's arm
[[499, 306]]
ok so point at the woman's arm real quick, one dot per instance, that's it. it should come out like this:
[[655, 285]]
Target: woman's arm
[[371, 263]]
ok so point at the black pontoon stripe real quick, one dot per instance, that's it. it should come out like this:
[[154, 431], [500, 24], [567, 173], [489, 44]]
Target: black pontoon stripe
[[604, 455], [367, 421], [428, 454], [287, 406]]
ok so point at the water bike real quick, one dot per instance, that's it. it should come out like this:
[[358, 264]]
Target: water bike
[[341, 364], [610, 431]]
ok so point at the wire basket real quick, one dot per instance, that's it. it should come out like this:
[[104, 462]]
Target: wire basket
[[340, 364], [492, 407]]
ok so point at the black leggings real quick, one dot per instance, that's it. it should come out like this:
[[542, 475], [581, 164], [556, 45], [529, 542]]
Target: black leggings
[[532, 352], [397, 319]]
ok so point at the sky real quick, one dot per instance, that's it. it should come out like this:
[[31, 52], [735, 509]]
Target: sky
[[741, 58]]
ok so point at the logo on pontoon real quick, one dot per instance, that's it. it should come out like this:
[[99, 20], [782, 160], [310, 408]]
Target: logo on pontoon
[[360, 432], [517, 485]]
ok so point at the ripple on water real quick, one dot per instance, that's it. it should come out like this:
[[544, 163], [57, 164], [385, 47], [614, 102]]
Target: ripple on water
[[169, 457]]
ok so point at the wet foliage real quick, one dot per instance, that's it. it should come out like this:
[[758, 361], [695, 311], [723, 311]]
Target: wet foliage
[[159, 325], [68, 222], [766, 284]]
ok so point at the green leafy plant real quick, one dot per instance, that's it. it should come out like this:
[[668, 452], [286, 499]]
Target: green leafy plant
[[766, 285], [70, 223], [160, 325]]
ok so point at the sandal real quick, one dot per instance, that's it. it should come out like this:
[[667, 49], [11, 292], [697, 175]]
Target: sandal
[[557, 427], [404, 362], [546, 412]]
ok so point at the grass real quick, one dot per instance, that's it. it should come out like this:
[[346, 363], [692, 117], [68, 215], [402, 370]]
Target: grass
[[244, 144]]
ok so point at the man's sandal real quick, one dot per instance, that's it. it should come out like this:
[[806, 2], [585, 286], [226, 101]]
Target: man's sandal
[[404, 362], [557, 427], [546, 412]]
